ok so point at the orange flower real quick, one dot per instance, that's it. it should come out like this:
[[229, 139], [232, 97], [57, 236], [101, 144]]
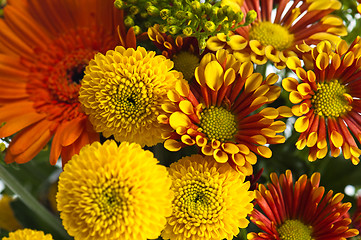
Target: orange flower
[[217, 112], [327, 100], [286, 34], [299, 210], [44, 48]]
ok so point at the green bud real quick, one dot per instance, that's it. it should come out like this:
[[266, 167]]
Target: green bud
[[187, 31], [133, 10], [229, 12], [207, 8], [153, 11], [128, 21], [189, 15], [239, 17], [196, 6], [119, 4], [2, 147], [163, 28], [137, 30], [251, 16], [144, 14], [164, 13], [180, 15], [174, 29], [203, 43], [210, 26], [172, 21], [226, 27]]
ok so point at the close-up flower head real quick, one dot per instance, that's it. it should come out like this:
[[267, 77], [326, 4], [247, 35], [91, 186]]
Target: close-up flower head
[[217, 112], [327, 100], [299, 210], [282, 29], [211, 200], [123, 90], [44, 48], [28, 234], [114, 192]]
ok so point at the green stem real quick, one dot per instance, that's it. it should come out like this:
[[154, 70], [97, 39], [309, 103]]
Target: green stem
[[52, 221]]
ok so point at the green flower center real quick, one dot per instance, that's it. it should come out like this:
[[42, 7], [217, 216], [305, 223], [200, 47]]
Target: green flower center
[[330, 99], [186, 62], [273, 34], [294, 230], [218, 123]]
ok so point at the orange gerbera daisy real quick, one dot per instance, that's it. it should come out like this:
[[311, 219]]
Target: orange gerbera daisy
[[44, 48], [285, 34], [356, 217], [327, 101], [216, 113], [300, 210]]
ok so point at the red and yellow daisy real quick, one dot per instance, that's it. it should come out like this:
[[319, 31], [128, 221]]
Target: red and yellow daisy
[[327, 100], [216, 113], [285, 34], [356, 217], [44, 48], [184, 52], [300, 210]]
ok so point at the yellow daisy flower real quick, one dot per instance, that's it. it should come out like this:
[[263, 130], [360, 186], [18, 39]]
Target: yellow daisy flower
[[8, 221], [286, 34], [327, 100], [219, 112], [114, 192], [122, 92], [28, 234], [211, 200]]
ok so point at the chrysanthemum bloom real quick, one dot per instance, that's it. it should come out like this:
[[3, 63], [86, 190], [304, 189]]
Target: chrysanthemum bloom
[[327, 100], [122, 92], [285, 34], [217, 112], [356, 217], [114, 192], [44, 48], [211, 200], [28, 234], [184, 52], [8, 220], [300, 210]]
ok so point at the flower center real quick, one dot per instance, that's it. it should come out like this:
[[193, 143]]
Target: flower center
[[134, 98], [199, 199], [112, 199], [330, 99], [273, 34], [218, 123], [294, 230], [186, 62]]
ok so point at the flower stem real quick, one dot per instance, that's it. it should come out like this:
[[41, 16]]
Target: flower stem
[[53, 222]]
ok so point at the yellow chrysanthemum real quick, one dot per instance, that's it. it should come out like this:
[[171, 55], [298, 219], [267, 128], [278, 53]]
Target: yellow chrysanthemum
[[286, 32], [122, 92], [8, 221], [28, 234], [114, 192], [220, 112], [211, 200]]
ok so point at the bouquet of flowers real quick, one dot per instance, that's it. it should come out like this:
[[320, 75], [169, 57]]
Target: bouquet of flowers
[[180, 119]]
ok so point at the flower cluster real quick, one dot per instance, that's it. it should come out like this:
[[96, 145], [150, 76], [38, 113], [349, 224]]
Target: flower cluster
[[180, 120]]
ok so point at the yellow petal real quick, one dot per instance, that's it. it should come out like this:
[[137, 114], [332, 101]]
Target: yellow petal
[[251, 158], [271, 79], [186, 107], [172, 145], [220, 156], [213, 74], [284, 111], [201, 141], [253, 82], [257, 47], [295, 97], [229, 76], [304, 89], [336, 139], [259, 139], [188, 140], [246, 69], [173, 96], [169, 108], [237, 42], [289, 84], [348, 59], [179, 119], [301, 124], [293, 63], [207, 150], [243, 149], [214, 43], [264, 151], [230, 148], [269, 113], [182, 88], [322, 60], [238, 159], [312, 139]]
